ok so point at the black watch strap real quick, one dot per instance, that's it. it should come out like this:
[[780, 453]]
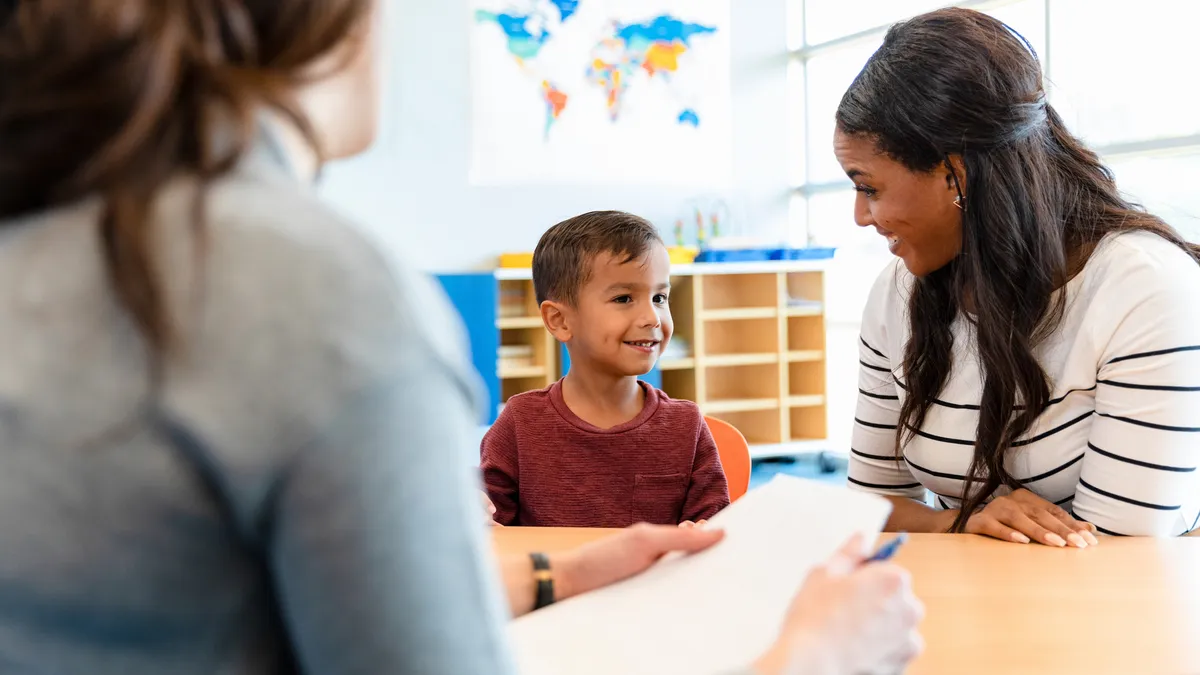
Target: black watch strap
[[544, 578]]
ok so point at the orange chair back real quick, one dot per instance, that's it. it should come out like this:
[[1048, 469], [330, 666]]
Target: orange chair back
[[735, 455]]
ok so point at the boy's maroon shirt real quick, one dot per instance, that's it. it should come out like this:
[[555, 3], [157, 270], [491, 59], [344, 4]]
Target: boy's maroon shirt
[[544, 466]]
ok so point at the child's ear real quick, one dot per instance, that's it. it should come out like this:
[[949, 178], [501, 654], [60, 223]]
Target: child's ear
[[554, 316]]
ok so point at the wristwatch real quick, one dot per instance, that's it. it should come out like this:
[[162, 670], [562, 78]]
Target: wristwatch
[[544, 578]]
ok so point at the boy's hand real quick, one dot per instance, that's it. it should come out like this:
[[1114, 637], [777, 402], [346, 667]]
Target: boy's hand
[[490, 509], [689, 524]]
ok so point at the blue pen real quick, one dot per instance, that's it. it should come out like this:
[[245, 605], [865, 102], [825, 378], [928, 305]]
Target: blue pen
[[888, 550]]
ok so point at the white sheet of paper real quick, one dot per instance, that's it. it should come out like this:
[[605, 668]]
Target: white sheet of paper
[[711, 612]]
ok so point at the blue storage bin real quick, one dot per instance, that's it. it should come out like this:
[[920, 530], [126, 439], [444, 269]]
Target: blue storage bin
[[802, 253], [762, 254], [734, 255]]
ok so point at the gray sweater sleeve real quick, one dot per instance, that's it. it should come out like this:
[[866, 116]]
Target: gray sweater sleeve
[[333, 390], [379, 547]]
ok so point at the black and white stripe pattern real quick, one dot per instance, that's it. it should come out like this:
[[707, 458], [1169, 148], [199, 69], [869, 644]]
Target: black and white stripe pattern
[[1119, 443]]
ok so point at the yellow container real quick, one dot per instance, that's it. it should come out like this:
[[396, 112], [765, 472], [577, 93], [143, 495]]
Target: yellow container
[[517, 260], [682, 255]]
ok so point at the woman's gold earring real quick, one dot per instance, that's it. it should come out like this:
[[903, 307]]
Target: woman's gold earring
[[958, 201]]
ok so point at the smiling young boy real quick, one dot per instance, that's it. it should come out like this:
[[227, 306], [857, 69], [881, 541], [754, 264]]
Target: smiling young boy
[[600, 448]]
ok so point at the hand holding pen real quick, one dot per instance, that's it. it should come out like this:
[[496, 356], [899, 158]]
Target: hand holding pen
[[856, 612]]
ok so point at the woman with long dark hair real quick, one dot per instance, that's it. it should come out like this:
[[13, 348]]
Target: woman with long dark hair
[[233, 438], [1033, 357]]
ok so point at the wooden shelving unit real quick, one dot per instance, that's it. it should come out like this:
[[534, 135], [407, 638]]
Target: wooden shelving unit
[[756, 338], [677, 364], [739, 313], [760, 360], [527, 356], [505, 372], [519, 322]]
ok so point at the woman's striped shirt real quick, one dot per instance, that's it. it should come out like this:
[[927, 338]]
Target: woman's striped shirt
[[1119, 443]]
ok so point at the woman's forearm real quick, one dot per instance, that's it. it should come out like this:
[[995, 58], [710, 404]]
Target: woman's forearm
[[601, 563], [912, 516], [516, 571]]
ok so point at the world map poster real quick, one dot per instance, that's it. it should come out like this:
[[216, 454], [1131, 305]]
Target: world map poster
[[601, 91]]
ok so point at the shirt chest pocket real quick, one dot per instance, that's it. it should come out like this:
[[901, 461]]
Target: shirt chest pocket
[[658, 498]]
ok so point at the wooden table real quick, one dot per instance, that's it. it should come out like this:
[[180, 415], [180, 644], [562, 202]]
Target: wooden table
[[1128, 607]]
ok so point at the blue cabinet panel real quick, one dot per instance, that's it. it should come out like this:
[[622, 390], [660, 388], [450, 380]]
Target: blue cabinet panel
[[475, 296]]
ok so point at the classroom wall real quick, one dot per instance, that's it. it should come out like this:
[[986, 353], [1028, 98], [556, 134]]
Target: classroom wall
[[411, 189]]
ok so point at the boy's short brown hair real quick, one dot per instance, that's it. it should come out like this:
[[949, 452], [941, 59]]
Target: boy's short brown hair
[[562, 259]]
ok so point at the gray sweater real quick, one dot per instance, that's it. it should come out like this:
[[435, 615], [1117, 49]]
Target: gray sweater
[[299, 489]]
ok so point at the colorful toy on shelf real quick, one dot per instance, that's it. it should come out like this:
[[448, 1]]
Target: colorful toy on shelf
[[709, 219], [682, 255]]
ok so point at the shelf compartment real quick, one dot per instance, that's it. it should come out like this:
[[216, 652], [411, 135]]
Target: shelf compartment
[[753, 336], [808, 423], [742, 382], [512, 386], [806, 333], [683, 309], [808, 286], [806, 378], [537, 338], [758, 426], [728, 291], [680, 384], [517, 299], [527, 360]]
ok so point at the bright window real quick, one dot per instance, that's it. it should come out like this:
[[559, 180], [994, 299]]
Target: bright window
[[1126, 75], [828, 75], [1166, 184], [1119, 77], [833, 19]]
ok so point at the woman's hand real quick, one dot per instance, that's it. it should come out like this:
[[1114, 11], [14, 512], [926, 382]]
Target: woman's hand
[[1023, 517], [624, 555], [848, 618]]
